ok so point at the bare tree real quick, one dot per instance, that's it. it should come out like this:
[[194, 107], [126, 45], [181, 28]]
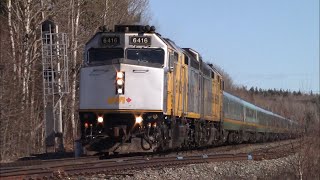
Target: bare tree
[[306, 159], [22, 87], [75, 18], [13, 48]]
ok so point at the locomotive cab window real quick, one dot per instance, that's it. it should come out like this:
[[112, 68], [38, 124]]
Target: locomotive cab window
[[104, 54], [173, 57], [146, 55], [176, 56], [186, 59], [194, 63]]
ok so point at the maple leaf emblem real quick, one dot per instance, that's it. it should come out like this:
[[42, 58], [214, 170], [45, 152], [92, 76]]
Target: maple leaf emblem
[[128, 100]]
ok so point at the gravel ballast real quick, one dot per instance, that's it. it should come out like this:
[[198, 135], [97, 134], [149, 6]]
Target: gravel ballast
[[281, 168], [266, 169]]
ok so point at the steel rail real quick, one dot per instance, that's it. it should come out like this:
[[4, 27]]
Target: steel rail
[[73, 166], [118, 165]]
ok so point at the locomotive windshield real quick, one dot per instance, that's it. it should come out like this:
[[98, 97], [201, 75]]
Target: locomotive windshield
[[146, 55], [105, 54]]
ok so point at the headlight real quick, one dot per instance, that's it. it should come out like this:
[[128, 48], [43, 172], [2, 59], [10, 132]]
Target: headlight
[[120, 91], [139, 119], [119, 75], [100, 119], [120, 82]]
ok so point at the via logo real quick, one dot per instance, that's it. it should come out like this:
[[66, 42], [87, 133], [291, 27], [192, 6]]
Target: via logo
[[118, 100]]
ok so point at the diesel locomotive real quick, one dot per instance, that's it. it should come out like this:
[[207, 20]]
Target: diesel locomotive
[[141, 92]]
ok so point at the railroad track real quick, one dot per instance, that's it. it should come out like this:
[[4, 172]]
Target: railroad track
[[68, 167], [117, 165]]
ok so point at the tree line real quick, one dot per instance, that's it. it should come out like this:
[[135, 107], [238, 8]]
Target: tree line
[[279, 92]]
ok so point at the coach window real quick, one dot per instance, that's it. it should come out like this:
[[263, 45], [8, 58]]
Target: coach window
[[249, 114]]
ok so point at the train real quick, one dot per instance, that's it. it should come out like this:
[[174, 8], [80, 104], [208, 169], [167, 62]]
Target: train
[[141, 92]]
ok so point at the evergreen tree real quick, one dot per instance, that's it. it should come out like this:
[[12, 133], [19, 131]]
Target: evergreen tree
[[251, 90], [299, 93]]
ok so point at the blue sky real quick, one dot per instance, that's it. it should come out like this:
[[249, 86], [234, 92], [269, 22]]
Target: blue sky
[[263, 43]]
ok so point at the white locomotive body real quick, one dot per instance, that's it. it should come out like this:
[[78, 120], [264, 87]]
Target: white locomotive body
[[122, 82]]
